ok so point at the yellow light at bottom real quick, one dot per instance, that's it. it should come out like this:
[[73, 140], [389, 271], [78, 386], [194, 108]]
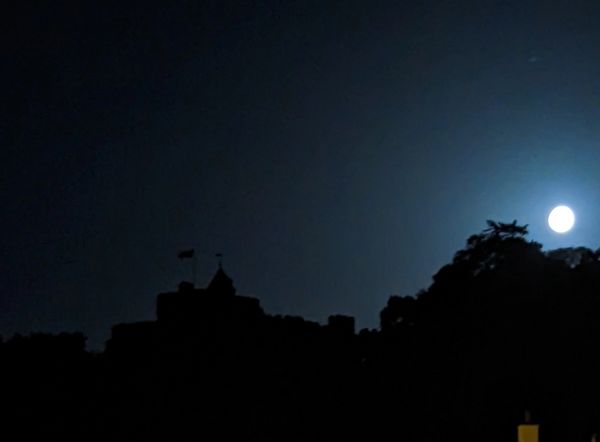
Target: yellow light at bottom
[[528, 433]]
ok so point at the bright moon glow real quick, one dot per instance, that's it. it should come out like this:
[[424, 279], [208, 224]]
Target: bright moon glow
[[561, 219]]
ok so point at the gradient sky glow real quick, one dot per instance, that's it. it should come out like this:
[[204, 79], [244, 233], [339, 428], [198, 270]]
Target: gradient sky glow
[[336, 154]]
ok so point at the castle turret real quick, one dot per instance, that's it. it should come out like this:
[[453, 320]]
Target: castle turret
[[221, 283], [216, 305]]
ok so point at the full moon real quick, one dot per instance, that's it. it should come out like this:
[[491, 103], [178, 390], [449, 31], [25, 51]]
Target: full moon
[[561, 219]]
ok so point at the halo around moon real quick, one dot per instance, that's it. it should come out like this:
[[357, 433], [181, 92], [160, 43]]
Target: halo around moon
[[561, 219]]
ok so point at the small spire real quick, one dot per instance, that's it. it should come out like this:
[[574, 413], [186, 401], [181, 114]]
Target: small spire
[[221, 283], [220, 256], [527, 417]]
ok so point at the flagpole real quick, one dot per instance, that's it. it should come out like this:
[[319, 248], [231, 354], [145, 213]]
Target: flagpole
[[194, 267], [191, 253]]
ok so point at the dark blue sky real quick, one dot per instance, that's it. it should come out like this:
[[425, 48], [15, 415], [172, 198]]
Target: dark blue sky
[[335, 152]]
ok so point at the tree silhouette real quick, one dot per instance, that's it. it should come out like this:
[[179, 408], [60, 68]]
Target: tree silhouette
[[399, 312], [497, 243]]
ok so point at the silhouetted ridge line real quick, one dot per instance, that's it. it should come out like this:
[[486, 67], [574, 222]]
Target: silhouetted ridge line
[[503, 328]]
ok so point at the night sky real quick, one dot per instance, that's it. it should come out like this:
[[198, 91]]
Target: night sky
[[335, 152]]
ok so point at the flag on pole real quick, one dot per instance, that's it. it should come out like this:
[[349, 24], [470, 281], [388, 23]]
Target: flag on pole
[[186, 254]]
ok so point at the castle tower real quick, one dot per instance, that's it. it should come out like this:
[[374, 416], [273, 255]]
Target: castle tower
[[221, 283]]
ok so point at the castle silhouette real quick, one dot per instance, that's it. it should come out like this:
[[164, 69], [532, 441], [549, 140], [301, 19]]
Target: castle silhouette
[[190, 316]]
